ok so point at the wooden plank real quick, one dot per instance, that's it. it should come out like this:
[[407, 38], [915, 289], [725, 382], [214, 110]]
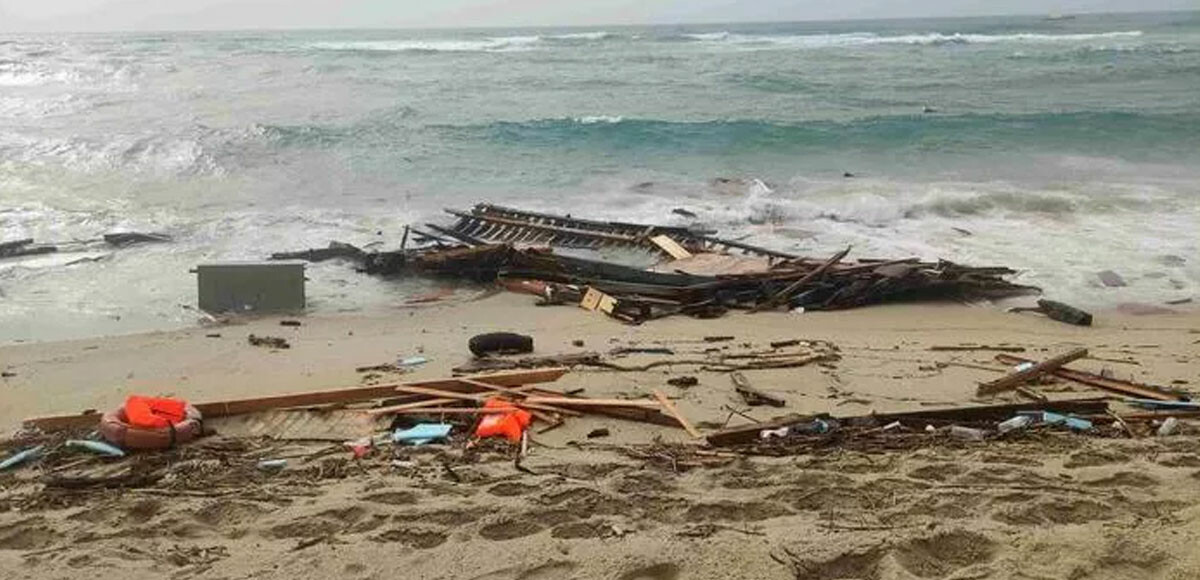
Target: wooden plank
[[673, 411], [391, 409], [753, 396], [521, 392], [1013, 380], [1103, 383], [357, 394], [567, 402], [341, 425], [670, 246]]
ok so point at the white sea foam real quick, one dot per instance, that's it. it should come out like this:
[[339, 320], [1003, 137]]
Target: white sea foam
[[498, 44], [598, 119], [927, 39], [597, 35]]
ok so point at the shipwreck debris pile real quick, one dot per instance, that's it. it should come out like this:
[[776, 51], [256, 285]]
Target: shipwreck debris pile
[[700, 275]]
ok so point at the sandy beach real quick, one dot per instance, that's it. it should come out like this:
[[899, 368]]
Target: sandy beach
[[1055, 506]]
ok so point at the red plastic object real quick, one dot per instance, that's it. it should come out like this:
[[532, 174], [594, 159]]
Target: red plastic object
[[154, 412], [508, 425]]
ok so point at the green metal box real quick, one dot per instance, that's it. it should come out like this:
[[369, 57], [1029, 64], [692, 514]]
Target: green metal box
[[251, 287]]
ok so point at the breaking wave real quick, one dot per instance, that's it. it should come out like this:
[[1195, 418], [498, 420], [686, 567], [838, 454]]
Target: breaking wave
[[926, 39]]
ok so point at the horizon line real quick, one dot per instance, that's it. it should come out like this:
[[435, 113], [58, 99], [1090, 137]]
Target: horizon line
[[594, 26]]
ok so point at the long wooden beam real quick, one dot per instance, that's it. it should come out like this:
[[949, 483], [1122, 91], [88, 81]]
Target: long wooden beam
[[357, 394]]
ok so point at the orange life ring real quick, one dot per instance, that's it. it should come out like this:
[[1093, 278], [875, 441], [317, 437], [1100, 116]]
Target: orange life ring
[[116, 429]]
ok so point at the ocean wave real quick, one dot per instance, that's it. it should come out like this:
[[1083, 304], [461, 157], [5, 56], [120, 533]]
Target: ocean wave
[[1088, 131], [498, 44], [926, 39], [157, 156], [581, 36], [593, 119]]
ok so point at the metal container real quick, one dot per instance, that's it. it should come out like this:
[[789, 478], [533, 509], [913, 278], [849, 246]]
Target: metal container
[[251, 287]]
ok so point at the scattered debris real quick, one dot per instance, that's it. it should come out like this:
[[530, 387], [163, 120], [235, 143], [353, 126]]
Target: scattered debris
[[268, 341]]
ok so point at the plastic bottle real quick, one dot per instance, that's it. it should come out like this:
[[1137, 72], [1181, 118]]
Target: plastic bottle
[[1015, 424], [1168, 427], [966, 433]]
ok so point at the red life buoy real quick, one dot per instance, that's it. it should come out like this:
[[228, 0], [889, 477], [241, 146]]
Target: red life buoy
[[117, 429]]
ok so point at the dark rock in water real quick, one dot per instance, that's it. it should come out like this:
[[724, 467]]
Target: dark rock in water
[[683, 212], [130, 238], [643, 186], [1171, 260], [1179, 301], [928, 109], [847, 174], [1111, 279], [963, 231], [500, 343]]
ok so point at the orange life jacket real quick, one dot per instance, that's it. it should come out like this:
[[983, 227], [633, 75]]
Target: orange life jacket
[[154, 412], [507, 425]]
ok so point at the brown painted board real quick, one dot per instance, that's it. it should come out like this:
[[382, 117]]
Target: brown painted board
[[357, 394]]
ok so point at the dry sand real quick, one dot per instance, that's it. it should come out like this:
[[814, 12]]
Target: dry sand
[[1059, 507]]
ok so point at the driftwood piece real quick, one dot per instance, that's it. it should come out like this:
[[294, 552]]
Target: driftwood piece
[[1018, 378], [751, 395], [673, 411], [1104, 383]]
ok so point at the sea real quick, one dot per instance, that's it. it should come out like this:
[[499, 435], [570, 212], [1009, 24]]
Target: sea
[[1058, 146]]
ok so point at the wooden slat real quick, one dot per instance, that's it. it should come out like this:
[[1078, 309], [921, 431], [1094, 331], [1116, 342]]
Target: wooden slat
[[673, 411], [670, 246], [351, 395], [566, 402], [1018, 378], [1100, 382]]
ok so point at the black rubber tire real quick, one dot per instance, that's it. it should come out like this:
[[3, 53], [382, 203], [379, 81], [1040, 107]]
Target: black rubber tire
[[500, 343]]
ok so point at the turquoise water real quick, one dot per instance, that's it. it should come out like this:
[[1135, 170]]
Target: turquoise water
[[1063, 147]]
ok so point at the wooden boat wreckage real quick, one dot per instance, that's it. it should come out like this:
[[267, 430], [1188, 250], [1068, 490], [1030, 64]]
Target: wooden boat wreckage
[[696, 273]]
